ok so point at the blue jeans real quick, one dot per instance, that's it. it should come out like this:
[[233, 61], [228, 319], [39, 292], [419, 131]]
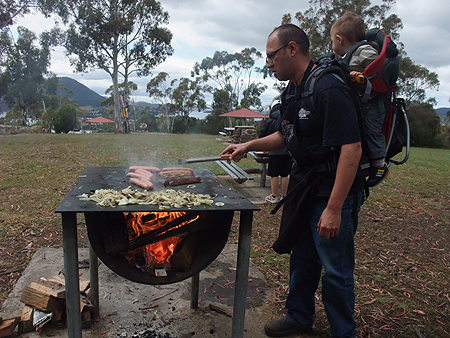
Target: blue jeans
[[337, 256]]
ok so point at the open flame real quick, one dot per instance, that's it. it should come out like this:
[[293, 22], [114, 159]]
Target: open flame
[[156, 255]]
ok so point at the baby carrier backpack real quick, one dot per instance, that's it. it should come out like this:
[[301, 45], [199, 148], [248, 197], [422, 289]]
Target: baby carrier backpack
[[381, 77]]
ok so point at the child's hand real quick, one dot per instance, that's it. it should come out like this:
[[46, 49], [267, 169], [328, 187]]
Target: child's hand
[[354, 74]]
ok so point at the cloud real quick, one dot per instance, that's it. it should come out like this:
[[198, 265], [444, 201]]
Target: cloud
[[201, 27]]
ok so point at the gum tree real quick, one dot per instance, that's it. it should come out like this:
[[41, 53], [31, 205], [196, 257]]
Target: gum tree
[[120, 37], [25, 70], [317, 20], [235, 74]]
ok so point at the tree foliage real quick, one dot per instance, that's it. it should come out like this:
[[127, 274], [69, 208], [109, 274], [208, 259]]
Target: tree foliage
[[119, 37], [65, 120], [56, 97], [160, 92], [414, 80], [317, 20], [10, 10], [235, 74], [425, 126], [187, 96], [213, 123], [23, 79]]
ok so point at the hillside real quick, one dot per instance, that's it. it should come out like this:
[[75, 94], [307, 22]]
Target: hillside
[[442, 112], [82, 95]]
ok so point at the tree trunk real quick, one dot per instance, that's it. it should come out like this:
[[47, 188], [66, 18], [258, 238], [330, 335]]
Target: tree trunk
[[116, 91], [115, 79], [24, 117]]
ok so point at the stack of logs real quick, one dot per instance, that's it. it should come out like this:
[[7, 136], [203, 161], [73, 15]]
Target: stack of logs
[[48, 296], [7, 326], [244, 134]]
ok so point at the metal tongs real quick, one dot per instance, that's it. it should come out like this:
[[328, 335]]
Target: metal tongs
[[225, 157]]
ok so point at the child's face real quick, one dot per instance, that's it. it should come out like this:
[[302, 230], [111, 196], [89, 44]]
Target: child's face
[[337, 41]]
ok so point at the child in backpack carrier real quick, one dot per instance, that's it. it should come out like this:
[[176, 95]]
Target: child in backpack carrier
[[347, 31]]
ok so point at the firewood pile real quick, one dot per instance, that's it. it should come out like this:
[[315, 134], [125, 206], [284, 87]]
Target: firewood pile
[[44, 301], [244, 134]]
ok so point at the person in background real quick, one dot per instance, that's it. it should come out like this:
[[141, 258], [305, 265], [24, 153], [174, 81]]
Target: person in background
[[346, 32], [280, 162], [320, 213]]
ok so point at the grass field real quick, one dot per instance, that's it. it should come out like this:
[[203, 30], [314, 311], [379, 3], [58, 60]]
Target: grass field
[[403, 247]]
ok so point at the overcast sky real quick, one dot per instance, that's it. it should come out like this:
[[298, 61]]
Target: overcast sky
[[201, 27]]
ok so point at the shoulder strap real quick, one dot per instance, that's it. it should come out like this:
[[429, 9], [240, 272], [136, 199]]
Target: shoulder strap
[[352, 50], [327, 63]]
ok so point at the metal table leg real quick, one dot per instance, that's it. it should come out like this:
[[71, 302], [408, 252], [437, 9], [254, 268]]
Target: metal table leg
[[70, 246], [93, 278], [243, 262], [263, 174], [195, 282]]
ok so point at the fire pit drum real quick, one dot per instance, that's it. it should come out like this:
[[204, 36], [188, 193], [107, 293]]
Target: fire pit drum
[[210, 231], [210, 239]]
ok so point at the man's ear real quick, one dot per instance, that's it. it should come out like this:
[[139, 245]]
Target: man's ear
[[292, 47]]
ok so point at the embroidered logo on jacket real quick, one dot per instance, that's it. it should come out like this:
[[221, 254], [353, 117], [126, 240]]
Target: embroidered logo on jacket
[[288, 132], [303, 114]]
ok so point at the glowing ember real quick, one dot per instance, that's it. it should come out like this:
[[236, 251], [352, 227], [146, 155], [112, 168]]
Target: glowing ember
[[158, 254]]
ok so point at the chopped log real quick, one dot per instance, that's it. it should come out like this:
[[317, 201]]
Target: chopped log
[[49, 288], [38, 299], [58, 279], [86, 321], [8, 326], [84, 285], [85, 304], [85, 307], [26, 320], [184, 253], [59, 312]]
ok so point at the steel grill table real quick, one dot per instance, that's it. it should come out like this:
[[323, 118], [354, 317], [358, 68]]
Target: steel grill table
[[115, 178]]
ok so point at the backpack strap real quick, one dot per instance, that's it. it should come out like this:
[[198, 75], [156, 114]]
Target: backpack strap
[[352, 50], [328, 63]]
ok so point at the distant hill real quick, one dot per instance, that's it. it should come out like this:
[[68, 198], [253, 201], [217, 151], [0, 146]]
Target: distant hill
[[442, 112], [82, 95]]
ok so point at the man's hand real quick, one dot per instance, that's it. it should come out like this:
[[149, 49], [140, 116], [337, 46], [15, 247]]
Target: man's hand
[[329, 223], [272, 142], [235, 150]]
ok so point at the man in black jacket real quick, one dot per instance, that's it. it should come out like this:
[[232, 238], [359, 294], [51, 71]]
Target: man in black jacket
[[320, 212]]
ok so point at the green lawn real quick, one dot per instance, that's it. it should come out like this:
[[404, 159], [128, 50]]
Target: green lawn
[[403, 239]]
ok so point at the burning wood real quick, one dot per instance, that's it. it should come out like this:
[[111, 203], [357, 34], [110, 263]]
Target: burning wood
[[184, 253], [154, 237]]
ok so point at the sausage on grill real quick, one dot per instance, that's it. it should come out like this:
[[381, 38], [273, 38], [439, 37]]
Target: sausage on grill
[[142, 182]]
